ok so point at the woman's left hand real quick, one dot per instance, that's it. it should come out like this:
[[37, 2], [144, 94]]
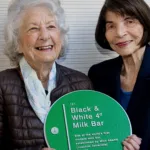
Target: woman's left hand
[[132, 143]]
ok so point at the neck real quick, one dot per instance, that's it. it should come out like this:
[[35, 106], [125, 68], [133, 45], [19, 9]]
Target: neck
[[132, 62], [43, 71], [130, 69]]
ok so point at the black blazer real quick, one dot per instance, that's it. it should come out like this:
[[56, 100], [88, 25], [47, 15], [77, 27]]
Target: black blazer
[[105, 77]]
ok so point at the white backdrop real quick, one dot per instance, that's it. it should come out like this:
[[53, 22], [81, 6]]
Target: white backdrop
[[81, 15]]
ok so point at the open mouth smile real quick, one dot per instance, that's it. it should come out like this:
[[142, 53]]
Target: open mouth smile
[[44, 48]]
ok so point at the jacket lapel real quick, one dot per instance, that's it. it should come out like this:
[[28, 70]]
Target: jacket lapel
[[115, 79], [139, 101]]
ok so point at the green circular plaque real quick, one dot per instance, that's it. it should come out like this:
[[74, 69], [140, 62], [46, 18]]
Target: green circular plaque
[[86, 120]]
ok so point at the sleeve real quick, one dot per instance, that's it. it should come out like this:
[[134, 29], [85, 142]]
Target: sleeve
[[4, 132], [2, 136], [5, 142]]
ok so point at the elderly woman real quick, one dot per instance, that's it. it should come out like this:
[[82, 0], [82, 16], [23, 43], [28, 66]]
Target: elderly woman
[[35, 37], [124, 27]]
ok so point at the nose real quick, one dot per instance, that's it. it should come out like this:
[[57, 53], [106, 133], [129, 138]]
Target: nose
[[121, 30], [44, 34]]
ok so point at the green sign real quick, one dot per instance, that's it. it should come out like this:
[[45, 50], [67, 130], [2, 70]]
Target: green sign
[[86, 120]]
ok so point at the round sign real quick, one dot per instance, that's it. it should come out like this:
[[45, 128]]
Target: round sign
[[86, 120]]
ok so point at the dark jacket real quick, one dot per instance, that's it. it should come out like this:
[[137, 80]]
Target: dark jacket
[[105, 77], [20, 128]]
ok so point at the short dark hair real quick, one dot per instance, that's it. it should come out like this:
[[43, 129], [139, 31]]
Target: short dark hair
[[135, 8]]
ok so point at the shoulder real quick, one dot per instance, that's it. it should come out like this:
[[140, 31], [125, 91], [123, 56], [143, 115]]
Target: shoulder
[[9, 73], [101, 72], [9, 76], [73, 77], [71, 72], [105, 66]]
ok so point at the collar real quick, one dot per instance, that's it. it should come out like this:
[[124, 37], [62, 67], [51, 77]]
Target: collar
[[145, 66]]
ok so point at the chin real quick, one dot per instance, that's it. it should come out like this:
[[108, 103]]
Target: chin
[[48, 58], [126, 54], [48, 61]]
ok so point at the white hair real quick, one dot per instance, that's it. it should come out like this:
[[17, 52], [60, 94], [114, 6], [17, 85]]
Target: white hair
[[15, 11]]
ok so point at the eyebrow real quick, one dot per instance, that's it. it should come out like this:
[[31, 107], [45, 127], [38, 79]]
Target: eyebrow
[[33, 23], [109, 22], [129, 17], [126, 17]]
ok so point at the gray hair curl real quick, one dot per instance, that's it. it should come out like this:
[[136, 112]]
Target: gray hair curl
[[15, 11]]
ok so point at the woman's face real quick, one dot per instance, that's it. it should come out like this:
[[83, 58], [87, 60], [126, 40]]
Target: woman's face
[[40, 39], [123, 33]]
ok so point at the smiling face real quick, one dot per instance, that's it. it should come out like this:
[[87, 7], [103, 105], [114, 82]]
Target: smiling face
[[123, 33], [40, 38]]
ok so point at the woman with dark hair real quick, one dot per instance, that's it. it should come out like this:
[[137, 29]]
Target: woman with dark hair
[[124, 27], [35, 37]]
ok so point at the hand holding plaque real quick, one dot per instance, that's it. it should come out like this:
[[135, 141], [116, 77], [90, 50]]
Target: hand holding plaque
[[86, 120]]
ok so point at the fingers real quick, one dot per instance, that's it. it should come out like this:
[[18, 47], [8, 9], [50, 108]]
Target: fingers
[[132, 143], [124, 148], [131, 146], [135, 138]]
